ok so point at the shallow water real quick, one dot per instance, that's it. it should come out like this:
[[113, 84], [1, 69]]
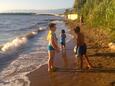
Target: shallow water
[[25, 47]]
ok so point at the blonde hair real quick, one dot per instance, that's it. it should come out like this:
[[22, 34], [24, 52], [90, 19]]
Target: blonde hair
[[51, 25], [49, 35]]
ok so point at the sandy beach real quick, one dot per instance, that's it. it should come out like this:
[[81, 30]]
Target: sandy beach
[[103, 73], [42, 77], [84, 31]]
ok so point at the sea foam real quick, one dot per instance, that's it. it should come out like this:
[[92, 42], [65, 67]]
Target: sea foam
[[19, 41]]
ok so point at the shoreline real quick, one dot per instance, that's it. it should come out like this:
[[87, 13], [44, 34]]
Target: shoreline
[[41, 77], [102, 75]]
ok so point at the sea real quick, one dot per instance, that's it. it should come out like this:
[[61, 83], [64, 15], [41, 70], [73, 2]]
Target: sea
[[23, 46]]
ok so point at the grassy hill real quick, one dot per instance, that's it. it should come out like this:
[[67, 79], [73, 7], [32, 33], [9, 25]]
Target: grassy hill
[[98, 13]]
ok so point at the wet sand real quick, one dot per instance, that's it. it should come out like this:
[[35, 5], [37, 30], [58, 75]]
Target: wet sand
[[102, 75], [41, 77]]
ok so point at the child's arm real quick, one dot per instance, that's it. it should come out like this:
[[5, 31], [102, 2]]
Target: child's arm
[[65, 35], [54, 43]]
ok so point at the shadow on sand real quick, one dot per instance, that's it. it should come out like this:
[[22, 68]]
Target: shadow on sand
[[104, 54], [93, 70]]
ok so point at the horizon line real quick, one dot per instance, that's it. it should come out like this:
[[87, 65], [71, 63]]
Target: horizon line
[[34, 9]]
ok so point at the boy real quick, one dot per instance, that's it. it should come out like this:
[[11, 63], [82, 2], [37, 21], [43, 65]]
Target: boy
[[81, 47]]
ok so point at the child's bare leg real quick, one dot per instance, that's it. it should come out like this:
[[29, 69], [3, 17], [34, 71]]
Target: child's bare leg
[[81, 62], [65, 59], [76, 60], [62, 47], [87, 61], [50, 60]]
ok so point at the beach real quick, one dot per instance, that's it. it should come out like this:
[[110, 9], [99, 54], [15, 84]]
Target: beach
[[41, 77], [23, 46], [29, 29], [103, 73], [23, 58]]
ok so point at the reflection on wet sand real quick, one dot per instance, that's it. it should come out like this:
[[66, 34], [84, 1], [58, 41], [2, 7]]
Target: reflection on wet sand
[[64, 57], [53, 76]]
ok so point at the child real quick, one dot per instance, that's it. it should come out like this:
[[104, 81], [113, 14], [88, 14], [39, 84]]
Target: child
[[62, 39], [62, 42], [52, 46], [81, 47]]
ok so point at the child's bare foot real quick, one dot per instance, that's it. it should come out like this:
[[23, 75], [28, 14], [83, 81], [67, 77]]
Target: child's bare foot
[[49, 70], [75, 63], [89, 66], [54, 69]]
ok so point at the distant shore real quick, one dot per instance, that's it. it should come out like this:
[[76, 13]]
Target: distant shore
[[45, 14], [17, 13]]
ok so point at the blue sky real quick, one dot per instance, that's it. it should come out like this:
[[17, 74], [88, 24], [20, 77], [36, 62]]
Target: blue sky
[[6, 5]]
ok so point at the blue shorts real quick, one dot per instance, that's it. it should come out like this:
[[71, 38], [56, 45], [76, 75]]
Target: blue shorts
[[50, 48], [62, 43], [81, 50]]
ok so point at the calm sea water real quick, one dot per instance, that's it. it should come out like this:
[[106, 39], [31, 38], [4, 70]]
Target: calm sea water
[[23, 46]]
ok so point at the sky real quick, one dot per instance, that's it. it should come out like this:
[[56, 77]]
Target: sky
[[7, 5]]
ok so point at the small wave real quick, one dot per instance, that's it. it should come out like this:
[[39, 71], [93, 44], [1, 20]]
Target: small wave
[[19, 41], [17, 80], [31, 27], [13, 45], [37, 25]]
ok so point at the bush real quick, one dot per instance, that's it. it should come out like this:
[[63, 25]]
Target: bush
[[100, 13]]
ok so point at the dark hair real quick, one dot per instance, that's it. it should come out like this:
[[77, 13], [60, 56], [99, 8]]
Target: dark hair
[[51, 25], [63, 31], [77, 29]]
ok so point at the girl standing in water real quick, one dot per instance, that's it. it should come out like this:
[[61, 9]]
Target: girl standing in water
[[52, 46]]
